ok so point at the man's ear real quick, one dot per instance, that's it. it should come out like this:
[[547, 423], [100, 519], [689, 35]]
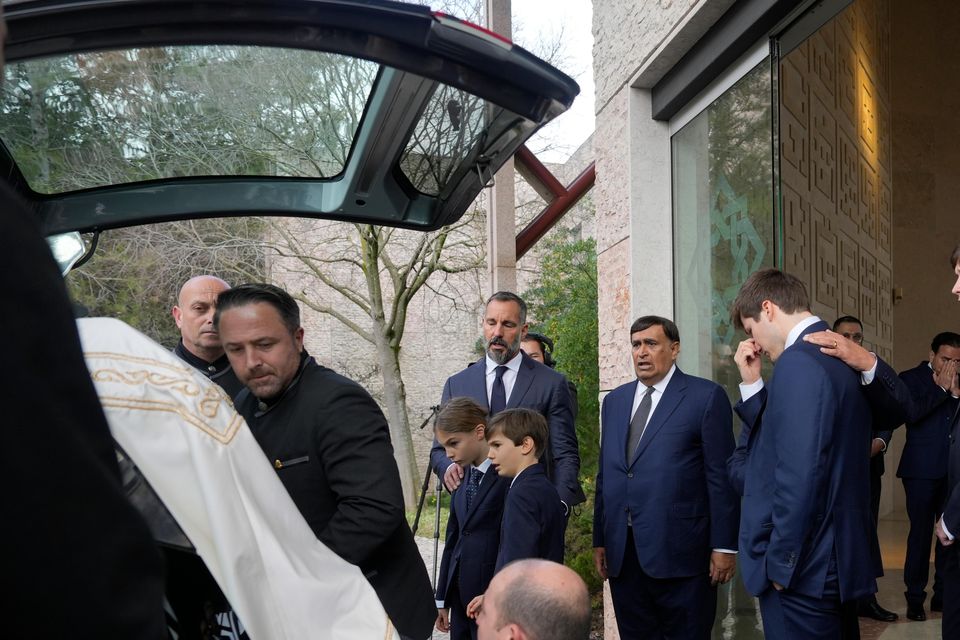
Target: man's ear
[[298, 338], [177, 315]]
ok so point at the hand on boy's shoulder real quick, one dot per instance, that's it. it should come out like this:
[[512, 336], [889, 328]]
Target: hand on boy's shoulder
[[452, 477]]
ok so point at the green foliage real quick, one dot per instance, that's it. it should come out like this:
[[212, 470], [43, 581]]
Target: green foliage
[[564, 304]]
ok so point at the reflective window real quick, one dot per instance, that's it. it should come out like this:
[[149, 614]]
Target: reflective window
[[94, 119], [724, 220], [447, 131]]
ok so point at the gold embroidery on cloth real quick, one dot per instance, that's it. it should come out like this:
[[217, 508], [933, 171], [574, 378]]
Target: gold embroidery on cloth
[[198, 408], [139, 404], [108, 355], [136, 378]]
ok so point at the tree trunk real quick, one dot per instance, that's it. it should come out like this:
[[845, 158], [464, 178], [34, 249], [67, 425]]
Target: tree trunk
[[395, 399]]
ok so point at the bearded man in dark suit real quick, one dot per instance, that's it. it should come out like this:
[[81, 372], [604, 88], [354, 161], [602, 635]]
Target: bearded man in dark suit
[[507, 378]]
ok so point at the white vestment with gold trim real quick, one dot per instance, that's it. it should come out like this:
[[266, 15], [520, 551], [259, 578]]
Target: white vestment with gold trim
[[200, 457]]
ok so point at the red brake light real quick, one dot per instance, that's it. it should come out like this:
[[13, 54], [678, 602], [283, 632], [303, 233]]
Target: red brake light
[[463, 25]]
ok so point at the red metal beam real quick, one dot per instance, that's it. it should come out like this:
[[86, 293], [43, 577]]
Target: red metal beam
[[539, 173], [568, 197]]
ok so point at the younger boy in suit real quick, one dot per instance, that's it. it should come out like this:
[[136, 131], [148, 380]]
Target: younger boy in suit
[[473, 530], [533, 515]]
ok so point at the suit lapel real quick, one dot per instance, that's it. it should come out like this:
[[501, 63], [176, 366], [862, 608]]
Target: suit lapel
[[477, 383], [672, 396], [523, 382], [490, 478], [620, 417]]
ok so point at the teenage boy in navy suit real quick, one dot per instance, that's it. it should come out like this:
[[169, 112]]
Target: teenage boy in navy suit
[[533, 517], [473, 530], [801, 466]]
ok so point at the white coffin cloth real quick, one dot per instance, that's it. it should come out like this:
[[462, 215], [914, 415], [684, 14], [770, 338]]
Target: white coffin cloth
[[203, 462]]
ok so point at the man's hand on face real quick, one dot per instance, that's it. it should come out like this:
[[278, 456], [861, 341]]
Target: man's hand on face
[[452, 477], [946, 378], [834, 344], [748, 361]]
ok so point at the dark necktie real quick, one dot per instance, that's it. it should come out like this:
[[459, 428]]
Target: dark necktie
[[498, 396], [638, 423], [473, 485]]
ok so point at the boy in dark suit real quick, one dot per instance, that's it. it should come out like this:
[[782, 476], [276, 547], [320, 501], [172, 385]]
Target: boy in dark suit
[[473, 530], [533, 515], [533, 520]]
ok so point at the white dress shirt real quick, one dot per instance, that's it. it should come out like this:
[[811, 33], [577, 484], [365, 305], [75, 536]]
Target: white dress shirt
[[658, 390], [509, 376]]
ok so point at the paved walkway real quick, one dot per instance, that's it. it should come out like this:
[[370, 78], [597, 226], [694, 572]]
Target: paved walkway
[[426, 552]]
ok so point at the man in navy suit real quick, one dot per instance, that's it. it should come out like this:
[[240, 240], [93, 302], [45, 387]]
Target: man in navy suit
[[923, 467], [851, 328], [507, 378], [890, 397], [801, 465], [665, 518]]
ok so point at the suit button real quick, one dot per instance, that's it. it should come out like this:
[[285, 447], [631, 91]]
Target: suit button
[[466, 533], [629, 475]]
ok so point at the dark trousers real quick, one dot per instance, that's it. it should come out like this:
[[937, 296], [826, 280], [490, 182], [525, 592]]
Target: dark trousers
[[925, 498], [651, 608], [876, 485], [788, 615], [951, 592], [461, 627]]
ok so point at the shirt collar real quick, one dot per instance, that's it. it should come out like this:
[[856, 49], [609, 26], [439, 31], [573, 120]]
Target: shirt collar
[[662, 385], [199, 363], [513, 364], [799, 328], [484, 466], [518, 475]]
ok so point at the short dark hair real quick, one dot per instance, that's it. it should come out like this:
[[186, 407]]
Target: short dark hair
[[542, 613], [645, 322], [783, 289], [517, 424], [460, 415], [839, 321], [947, 338], [955, 257], [259, 292], [509, 296]]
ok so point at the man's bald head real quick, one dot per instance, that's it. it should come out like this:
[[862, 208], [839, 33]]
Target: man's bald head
[[201, 284], [193, 314], [535, 600]]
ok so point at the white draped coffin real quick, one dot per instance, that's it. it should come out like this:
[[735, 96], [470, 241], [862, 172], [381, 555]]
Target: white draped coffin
[[198, 454]]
